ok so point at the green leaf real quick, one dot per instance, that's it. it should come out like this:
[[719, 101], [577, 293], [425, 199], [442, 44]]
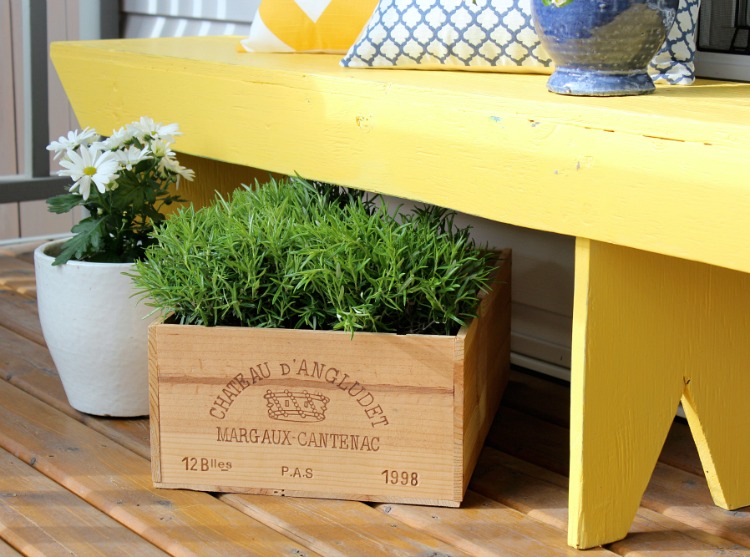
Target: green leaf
[[64, 203], [89, 237], [128, 195]]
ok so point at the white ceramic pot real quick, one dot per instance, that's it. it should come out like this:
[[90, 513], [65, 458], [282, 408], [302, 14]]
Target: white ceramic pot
[[96, 332]]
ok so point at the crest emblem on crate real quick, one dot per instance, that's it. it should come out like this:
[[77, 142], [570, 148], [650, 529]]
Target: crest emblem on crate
[[296, 406]]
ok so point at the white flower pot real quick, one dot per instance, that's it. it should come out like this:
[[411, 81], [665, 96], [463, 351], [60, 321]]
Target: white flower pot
[[96, 332]]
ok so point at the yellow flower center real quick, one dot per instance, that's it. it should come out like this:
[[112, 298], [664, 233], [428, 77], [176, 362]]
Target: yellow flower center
[[89, 170]]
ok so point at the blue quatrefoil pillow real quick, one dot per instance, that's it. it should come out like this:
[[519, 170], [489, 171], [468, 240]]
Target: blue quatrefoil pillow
[[452, 34], [490, 35], [674, 63]]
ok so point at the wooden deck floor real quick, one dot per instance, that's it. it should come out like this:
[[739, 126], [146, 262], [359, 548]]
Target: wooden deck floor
[[72, 484]]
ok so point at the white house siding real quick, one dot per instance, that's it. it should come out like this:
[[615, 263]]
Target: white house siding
[[179, 18]]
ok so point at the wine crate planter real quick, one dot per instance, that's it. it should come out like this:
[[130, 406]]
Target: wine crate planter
[[370, 417]]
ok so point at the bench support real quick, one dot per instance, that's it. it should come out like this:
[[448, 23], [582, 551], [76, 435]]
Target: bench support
[[649, 330]]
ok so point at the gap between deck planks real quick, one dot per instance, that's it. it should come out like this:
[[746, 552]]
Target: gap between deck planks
[[517, 506], [7, 550]]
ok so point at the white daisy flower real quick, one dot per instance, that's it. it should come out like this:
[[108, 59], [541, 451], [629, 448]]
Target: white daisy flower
[[73, 140], [170, 164], [131, 156], [186, 173], [161, 148], [88, 165], [118, 139], [148, 129]]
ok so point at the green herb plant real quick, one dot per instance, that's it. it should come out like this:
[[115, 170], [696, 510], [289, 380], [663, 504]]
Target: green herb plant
[[292, 254]]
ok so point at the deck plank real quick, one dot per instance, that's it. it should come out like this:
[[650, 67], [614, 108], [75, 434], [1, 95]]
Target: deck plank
[[29, 366], [43, 519], [17, 274], [484, 528], [118, 482], [351, 528], [342, 528], [542, 397], [18, 289], [676, 494], [685, 497], [543, 495], [530, 438], [665, 492], [19, 314], [7, 550], [680, 450]]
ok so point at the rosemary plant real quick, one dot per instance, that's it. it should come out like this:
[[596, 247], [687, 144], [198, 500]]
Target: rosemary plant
[[292, 254]]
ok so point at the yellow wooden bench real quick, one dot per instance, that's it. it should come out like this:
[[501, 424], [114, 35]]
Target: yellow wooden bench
[[654, 189]]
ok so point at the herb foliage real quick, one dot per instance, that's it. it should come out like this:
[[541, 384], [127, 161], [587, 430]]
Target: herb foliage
[[292, 254]]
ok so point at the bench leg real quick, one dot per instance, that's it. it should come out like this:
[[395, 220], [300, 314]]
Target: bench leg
[[648, 329], [624, 390], [717, 394]]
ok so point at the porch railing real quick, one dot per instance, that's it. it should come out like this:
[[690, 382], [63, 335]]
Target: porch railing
[[98, 19]]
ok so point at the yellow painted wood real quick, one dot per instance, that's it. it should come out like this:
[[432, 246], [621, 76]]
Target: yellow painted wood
[[718, 385], [646, 330], [663, 173], [214, 178]]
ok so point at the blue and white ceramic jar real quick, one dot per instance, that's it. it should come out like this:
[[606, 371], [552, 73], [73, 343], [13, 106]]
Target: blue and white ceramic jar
[[602, 47]]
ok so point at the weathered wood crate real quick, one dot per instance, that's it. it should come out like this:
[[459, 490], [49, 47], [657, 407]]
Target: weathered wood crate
[[373, 417]]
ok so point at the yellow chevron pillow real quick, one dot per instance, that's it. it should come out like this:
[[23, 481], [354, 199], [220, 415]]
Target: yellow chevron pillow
[[307, 25]]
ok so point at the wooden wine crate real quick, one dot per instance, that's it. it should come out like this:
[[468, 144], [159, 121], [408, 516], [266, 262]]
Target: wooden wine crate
[[370, 417]]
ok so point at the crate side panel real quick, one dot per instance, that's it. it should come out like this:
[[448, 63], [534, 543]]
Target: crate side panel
[[486, 365], [290, 410], [153, 393]]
